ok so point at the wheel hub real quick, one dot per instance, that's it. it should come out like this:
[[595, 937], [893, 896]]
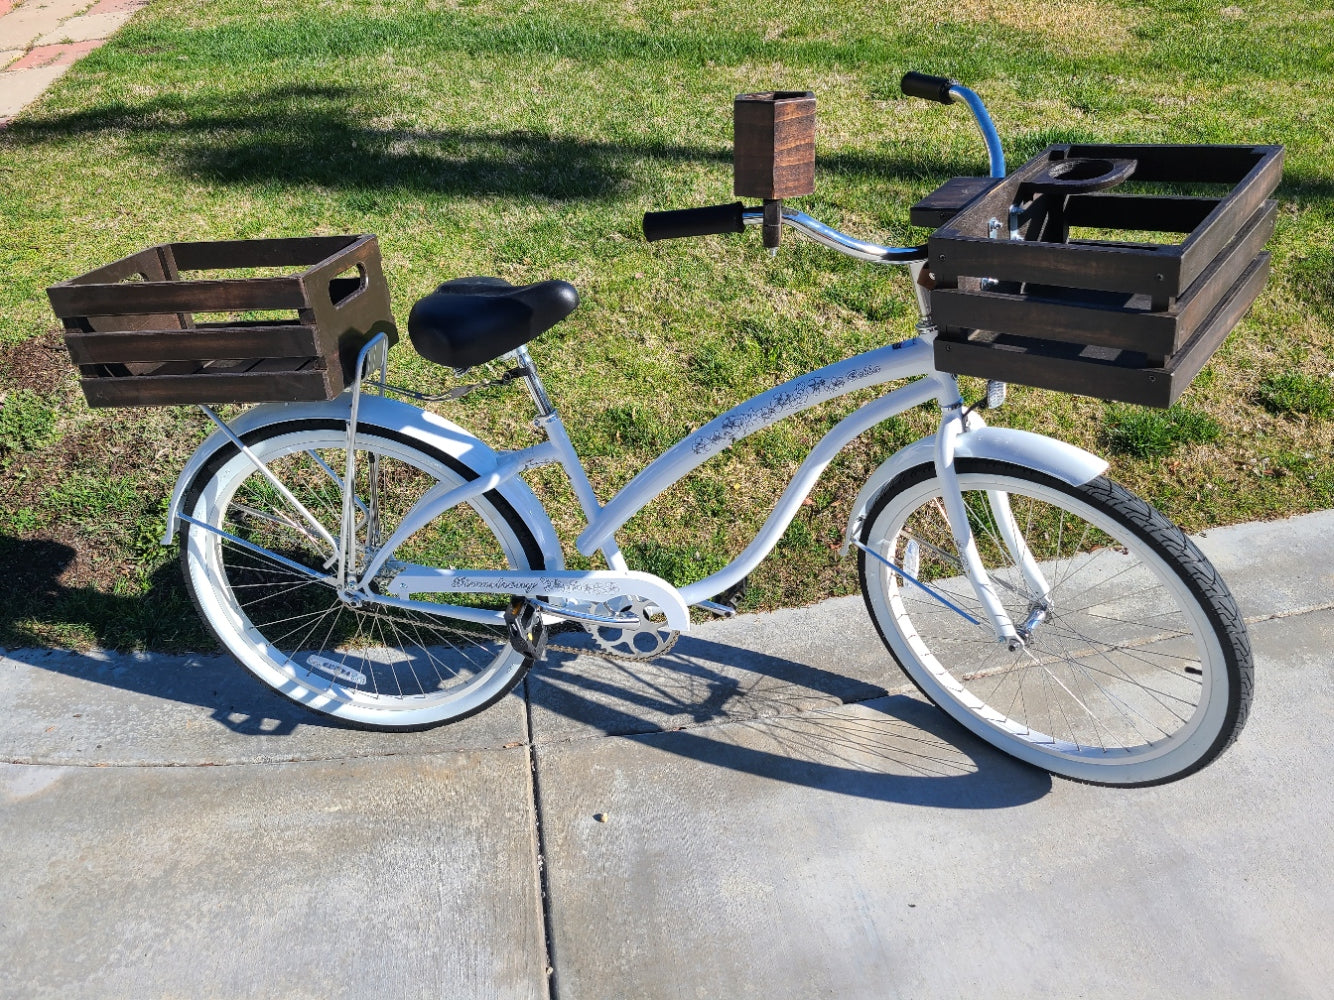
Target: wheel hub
[[1037, 614]]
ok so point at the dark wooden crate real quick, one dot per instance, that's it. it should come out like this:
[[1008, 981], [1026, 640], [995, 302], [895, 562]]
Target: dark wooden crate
[[1117, 319], [132, 326], [773, 145]]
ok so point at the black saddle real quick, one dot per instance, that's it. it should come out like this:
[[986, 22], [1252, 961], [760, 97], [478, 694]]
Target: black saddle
[[469, 321]]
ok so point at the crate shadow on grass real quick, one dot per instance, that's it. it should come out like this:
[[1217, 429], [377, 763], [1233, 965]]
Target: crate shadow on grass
[[316, 136]]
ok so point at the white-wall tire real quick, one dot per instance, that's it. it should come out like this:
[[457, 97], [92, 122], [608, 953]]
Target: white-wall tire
[[1140, 672]]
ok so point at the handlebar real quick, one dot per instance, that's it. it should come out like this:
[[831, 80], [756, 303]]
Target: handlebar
[[734, 217], [946, 91], [848, 245], [928, 88]]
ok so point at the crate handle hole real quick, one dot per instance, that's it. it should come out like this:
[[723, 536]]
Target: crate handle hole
[[347, 285]]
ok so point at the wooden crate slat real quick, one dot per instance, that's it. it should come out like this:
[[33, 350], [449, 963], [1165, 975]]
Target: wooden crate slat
[[214, 295], [306, 251], [204, 342], [210, 388], [1100, 268], [1051, 370], [1102, 372], [1110, 324]]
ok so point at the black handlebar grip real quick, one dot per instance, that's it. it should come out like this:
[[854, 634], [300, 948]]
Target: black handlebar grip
[[930, 88], [684, 222]]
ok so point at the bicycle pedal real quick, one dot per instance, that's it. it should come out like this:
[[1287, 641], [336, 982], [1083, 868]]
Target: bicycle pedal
[[526, 631], [729, 597]]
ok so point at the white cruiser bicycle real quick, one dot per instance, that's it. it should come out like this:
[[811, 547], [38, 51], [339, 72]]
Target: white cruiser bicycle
[[377, 562]]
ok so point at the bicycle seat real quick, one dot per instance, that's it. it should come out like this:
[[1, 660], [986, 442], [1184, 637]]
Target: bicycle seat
[[469, 321]]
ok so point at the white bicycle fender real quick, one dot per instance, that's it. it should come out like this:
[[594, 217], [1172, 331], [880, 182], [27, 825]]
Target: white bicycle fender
[[1057, 459], [430, 429]]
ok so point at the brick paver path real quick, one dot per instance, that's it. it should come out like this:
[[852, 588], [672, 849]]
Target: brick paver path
[[41, 39]]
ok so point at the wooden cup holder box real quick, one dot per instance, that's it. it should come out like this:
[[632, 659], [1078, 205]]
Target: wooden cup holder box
[[144, 335], [773, 151], [1022, 295]]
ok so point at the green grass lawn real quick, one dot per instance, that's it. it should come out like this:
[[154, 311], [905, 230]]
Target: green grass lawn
[[526, 140]]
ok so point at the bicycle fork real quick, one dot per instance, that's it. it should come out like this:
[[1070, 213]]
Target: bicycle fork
[[951, 426]]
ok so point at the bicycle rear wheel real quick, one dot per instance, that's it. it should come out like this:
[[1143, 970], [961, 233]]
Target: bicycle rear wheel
[[1137, 669], [259, 579]]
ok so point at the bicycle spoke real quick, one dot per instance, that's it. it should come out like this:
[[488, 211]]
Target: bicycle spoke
[[1121, 658]]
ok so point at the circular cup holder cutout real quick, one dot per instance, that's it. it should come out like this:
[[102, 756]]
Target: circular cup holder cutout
[[1079, 173]]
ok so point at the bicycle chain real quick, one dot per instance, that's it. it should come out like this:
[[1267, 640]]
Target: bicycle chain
[[568, 626]]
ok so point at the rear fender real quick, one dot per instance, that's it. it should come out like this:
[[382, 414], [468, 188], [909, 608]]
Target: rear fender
[[431, 430]]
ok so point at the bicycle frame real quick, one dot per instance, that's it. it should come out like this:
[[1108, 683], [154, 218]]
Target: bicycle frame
[[958, 436], [908, 359], [885, 364]]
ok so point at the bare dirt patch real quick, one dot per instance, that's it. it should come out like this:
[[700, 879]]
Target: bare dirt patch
[[41, 364]]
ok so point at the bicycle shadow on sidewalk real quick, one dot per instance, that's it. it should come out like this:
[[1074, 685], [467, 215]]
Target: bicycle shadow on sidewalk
[[782, 719], [36, 608]]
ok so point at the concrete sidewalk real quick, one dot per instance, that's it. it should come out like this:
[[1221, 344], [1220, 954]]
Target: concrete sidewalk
[[754, 816], [41, 39]]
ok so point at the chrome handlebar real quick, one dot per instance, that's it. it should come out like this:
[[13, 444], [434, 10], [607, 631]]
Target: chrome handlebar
[[873, 252], [832, 238]]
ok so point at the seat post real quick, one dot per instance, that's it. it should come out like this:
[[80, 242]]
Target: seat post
[[535, 388]]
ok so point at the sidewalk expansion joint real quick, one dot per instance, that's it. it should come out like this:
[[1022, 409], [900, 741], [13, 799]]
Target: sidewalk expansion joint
[[543, 883], [1295, 613]]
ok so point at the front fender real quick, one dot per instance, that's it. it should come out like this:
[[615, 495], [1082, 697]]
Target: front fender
[[1057, 459], [430, 429]]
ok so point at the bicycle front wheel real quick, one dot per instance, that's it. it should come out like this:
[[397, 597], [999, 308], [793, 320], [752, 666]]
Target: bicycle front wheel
[[1136, 669], [258, 575]]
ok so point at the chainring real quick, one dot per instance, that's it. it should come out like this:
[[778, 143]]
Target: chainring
[[642, 641]]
